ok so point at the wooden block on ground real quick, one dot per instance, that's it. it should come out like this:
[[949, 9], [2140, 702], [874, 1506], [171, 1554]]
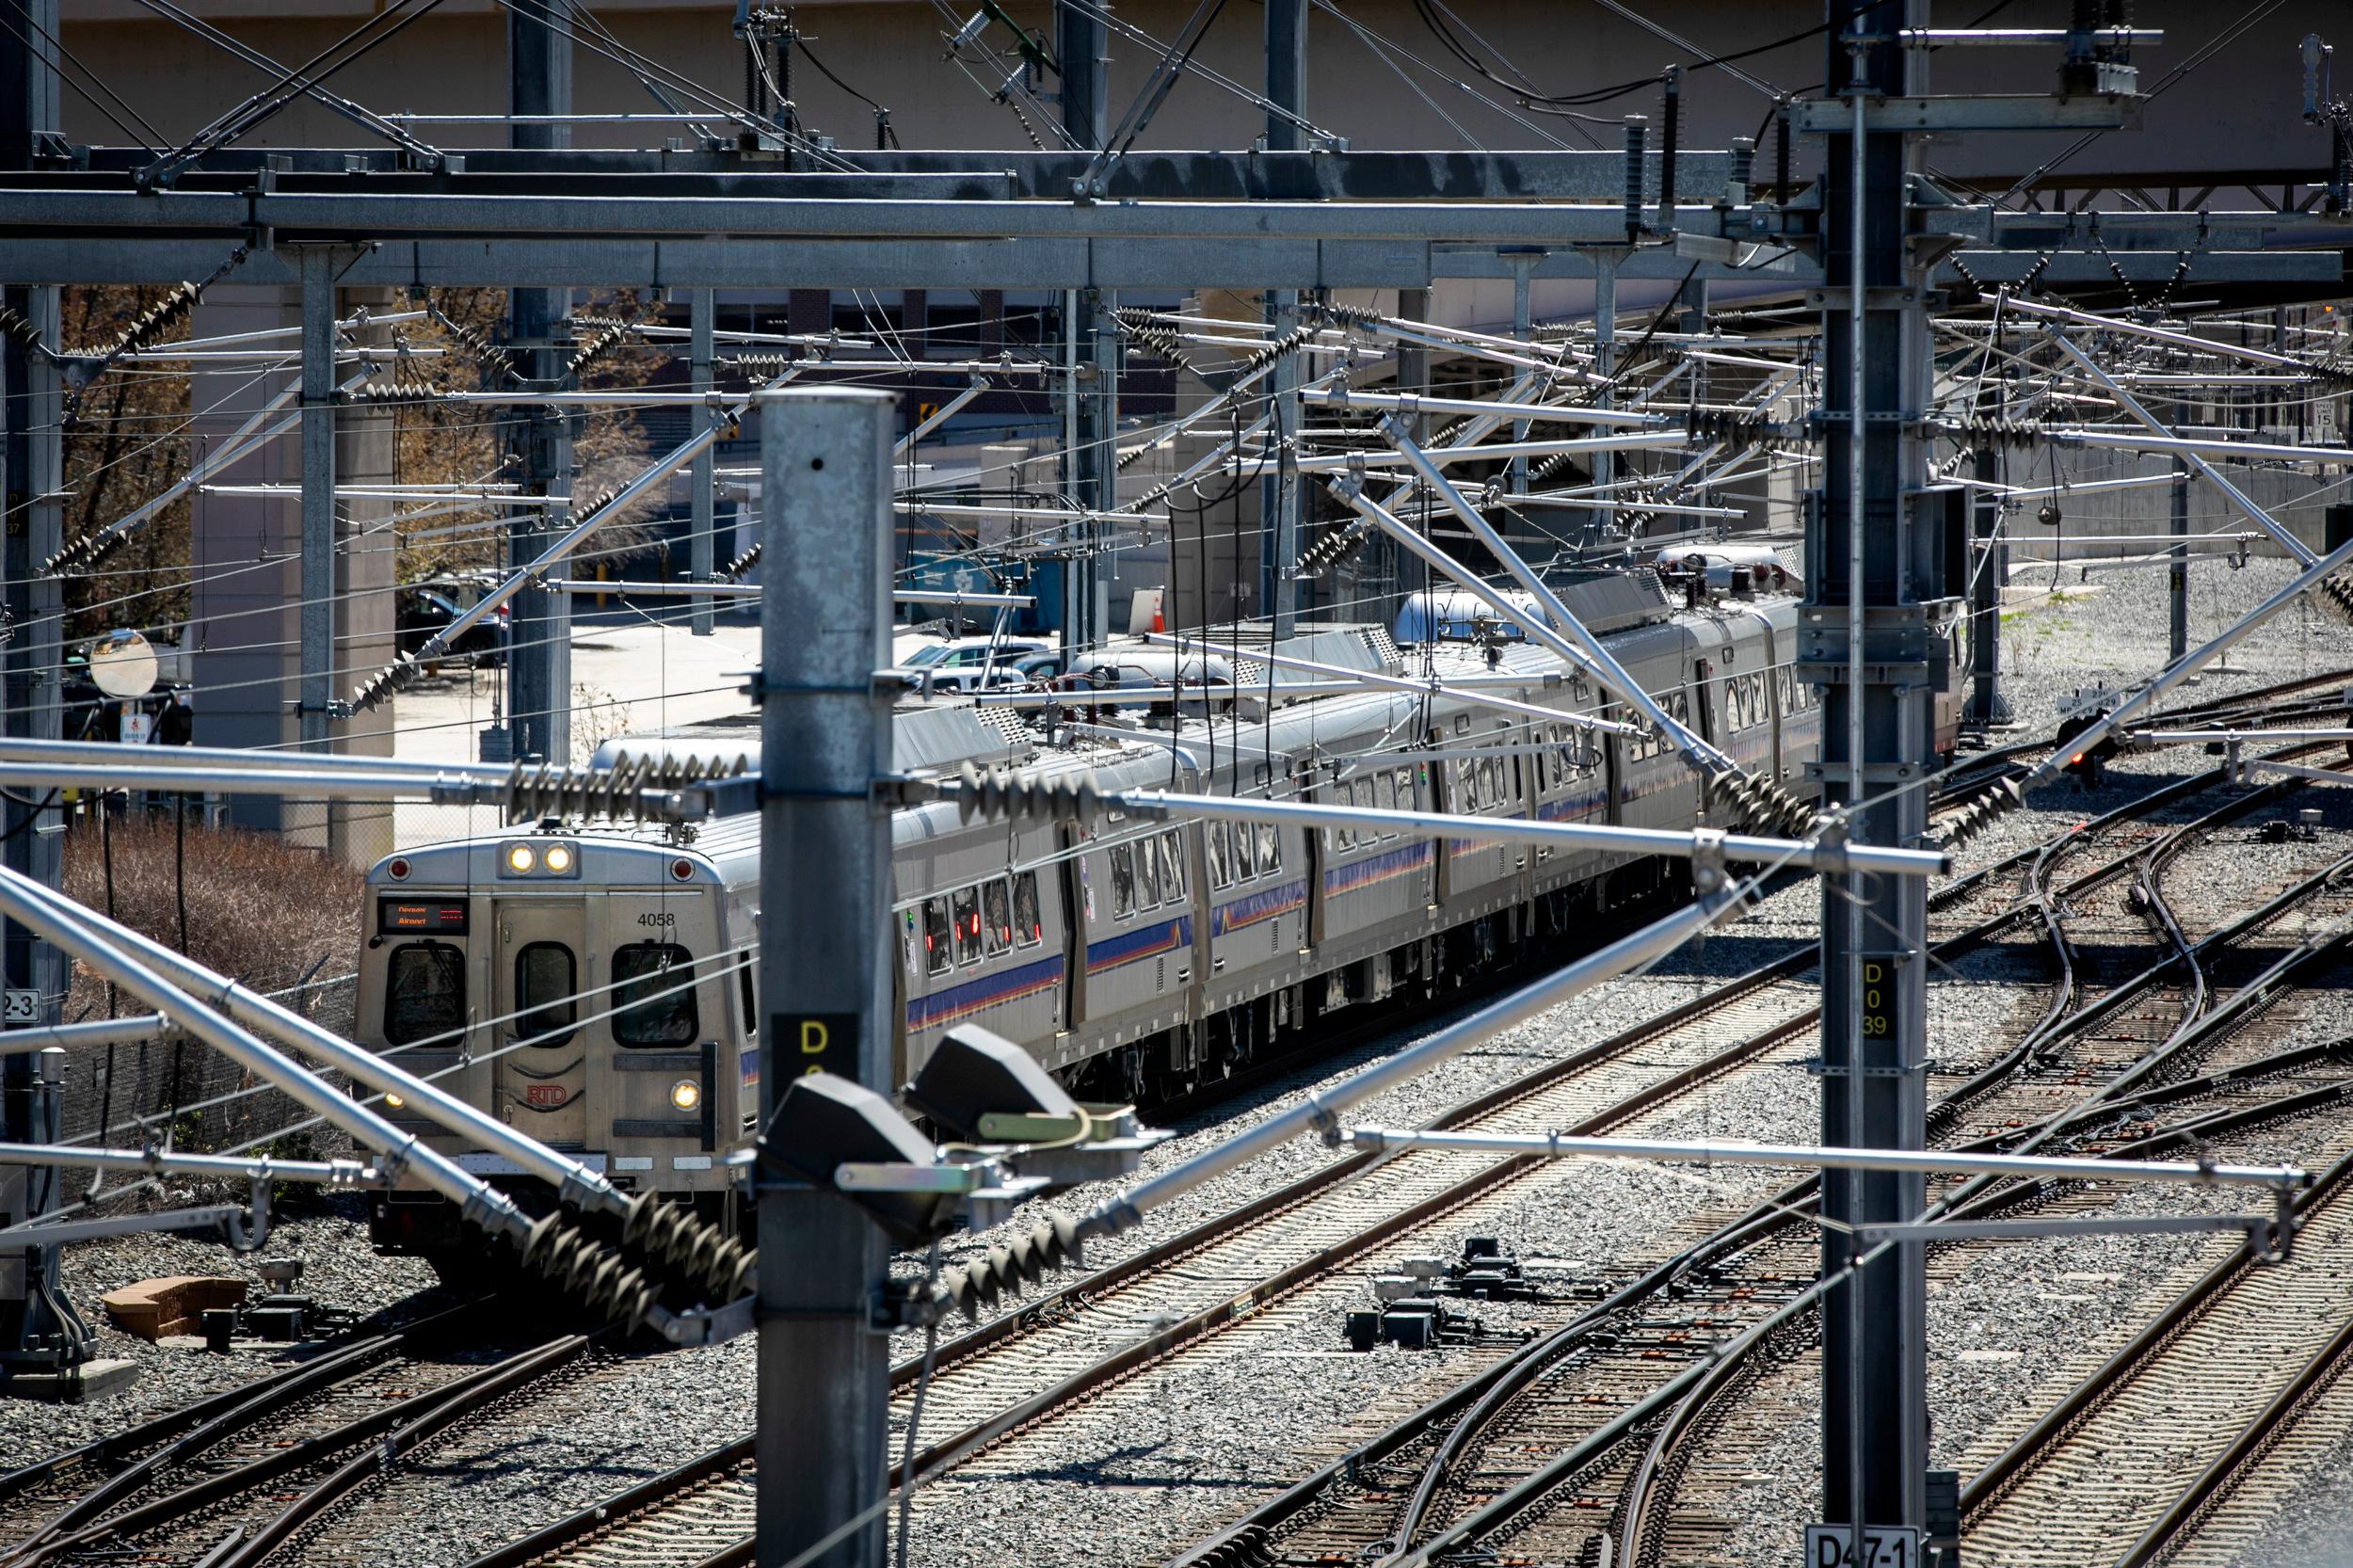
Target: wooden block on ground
[[173, 1304]]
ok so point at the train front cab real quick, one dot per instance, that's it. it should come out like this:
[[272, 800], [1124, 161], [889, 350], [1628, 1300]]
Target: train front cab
[[580, 991]]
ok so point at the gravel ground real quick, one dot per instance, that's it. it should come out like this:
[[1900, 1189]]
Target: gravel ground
[[1225, 1433], [338, 1271], [627, 1424]]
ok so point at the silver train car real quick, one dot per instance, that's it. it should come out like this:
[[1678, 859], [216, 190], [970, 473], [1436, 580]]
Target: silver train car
[[595, 987]]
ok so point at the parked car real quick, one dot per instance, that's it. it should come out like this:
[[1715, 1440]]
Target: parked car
[[426, 608], [1039, 667], [969, 663]]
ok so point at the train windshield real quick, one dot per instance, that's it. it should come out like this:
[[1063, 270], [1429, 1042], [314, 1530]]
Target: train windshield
[[653, 990], [424, 993]]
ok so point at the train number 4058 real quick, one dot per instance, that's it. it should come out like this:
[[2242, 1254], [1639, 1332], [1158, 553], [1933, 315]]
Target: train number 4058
[[657, 918]]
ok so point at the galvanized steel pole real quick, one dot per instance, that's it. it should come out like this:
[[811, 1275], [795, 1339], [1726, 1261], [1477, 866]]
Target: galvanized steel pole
[[1089, 467], [825, 980], [701, 549], [1281, 502], [1865, 634], [2177, 575]]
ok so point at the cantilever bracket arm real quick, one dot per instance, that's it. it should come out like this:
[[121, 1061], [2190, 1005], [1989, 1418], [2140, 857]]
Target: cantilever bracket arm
[[941, 415], [2131, 405], [1564, 634]]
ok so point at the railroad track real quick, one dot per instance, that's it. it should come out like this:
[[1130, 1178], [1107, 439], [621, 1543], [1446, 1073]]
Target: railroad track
[[227, 1482], [1686, 1497], [60, 1494], [1547, 1453], [1194, 1286]]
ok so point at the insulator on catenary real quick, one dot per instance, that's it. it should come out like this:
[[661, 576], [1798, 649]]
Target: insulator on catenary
[[588, 1271], [83, 552], [2336, 592], [598, 345], [663, 1254], [693, 1253], [398, 393], [1979, 811], [536, 791], [150, 326], [736, 569], [399, 676], [1141, 328], [1012, 1267], [1333, 551], [1000, 793]]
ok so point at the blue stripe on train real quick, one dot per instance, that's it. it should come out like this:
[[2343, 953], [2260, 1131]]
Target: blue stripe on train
[[990, 990], [1263, 905], [1143, 942], [1379, 868]]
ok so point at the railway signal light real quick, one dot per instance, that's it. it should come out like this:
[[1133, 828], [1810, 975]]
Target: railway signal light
[[2085, 764]]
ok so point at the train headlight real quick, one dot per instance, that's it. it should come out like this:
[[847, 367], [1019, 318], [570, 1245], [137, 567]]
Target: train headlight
[[558, 859], [521, 858], [686, 1094], [392, 1101]]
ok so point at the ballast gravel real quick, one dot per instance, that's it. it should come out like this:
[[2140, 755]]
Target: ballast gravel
[[1230, 1427]]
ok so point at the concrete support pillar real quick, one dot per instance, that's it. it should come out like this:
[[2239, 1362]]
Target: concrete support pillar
[[261, 656], [539, 441]]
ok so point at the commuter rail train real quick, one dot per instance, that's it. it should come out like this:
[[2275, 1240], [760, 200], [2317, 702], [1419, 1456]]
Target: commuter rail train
[[596, 986]]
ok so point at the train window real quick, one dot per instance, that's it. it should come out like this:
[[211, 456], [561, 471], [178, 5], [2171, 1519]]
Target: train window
[[1123, 881], [996, 916], [1147, 876], [1405, 800], [939, 942], [1028, 930], [1270, 849], [1221, 873], [965, 905], [1384, 791], [751, 998], [1172, 864], [1340, 838], [1245, 851], [546, 979], [1491, 780], [424, 992], [653, 988]]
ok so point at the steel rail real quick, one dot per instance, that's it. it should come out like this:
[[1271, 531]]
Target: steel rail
[[2244, 1450], [2005, 1468], [193, 1428], [439, 1410], [448, 1402], [1525, 1365], [650, 1494]]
